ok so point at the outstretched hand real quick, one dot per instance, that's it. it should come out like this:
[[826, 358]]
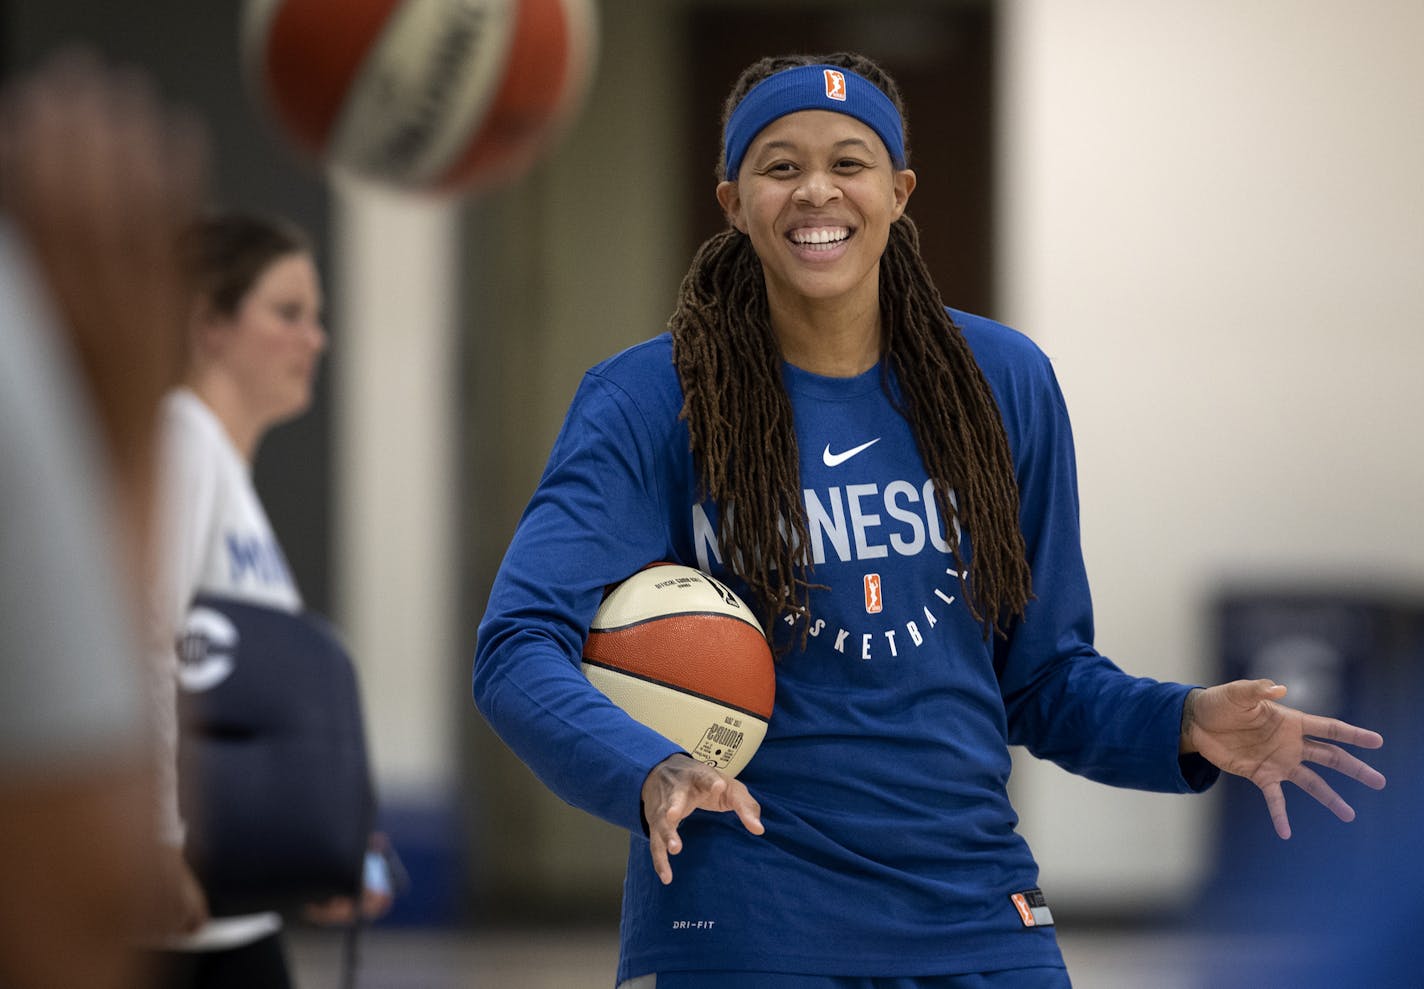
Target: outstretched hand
[[675, 788], [1240, 728]]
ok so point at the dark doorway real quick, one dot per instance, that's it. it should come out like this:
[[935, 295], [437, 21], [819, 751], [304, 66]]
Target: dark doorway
[[942, 57]]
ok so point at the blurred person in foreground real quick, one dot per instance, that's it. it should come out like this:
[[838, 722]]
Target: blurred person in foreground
[[96, 177]]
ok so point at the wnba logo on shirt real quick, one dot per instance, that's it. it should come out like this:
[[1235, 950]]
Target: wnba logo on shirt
[[206, 650], [874, 604], [835, 85]]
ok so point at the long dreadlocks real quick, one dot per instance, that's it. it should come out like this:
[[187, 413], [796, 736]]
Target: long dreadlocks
[[739, 414]]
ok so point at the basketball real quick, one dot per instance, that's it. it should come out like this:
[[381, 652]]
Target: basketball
[[442, 96], [681, 653]]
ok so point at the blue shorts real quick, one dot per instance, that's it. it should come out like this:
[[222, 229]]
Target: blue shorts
[[1038, 977]]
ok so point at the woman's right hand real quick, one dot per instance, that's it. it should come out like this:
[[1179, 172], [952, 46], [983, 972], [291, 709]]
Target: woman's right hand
[[675, 788]]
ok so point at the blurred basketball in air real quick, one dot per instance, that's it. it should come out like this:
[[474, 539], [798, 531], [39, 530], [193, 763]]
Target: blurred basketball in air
[[684, 655], [445, 96]]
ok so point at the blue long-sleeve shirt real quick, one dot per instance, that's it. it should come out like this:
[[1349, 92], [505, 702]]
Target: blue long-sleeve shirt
[[890, 846]]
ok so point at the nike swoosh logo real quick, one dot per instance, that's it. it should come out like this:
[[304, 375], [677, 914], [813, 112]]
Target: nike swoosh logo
[[836, 459]]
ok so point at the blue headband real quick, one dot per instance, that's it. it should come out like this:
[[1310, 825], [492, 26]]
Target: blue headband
[[812, 87]]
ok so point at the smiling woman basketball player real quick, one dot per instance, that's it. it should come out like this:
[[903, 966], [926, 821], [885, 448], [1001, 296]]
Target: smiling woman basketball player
[[893, 483]]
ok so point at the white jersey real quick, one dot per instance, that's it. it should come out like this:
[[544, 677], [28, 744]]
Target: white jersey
[[215, 538], [218, 538]]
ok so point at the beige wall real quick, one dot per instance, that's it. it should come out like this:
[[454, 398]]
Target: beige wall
[[1213, 220]]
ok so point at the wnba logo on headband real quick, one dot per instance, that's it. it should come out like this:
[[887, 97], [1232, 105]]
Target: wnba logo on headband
[[812, 87]]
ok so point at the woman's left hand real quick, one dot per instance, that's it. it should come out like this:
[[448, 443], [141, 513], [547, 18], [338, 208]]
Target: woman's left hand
[[342, 909], [377, 890], [1240, 728]]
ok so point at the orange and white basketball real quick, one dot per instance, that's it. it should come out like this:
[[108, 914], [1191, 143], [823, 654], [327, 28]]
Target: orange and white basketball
[[431, 95], [684, 655]]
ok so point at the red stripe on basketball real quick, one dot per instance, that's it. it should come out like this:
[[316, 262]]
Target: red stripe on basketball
[[685, 691], [529, 95], [715, 656], [312, 59]]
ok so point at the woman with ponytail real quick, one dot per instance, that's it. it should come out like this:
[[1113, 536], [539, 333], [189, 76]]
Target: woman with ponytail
[[891, 483]]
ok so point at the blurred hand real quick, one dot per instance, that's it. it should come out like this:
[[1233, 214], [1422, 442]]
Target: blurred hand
[[1240, 728], [675, 788], [376, 898], [99, 176], [342, 909]]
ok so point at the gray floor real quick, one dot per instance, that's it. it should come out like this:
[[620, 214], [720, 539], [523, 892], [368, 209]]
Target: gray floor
[[397, 959]]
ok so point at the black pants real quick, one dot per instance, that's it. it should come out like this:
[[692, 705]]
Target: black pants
[[259, 965]]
